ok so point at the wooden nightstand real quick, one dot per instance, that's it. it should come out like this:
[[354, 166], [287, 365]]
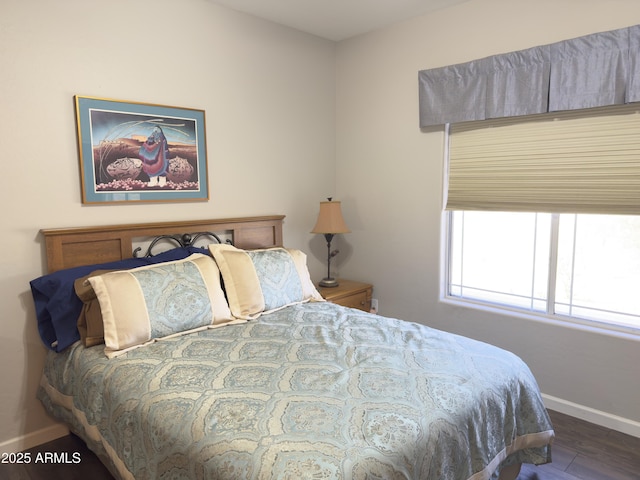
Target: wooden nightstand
[[349, 294]]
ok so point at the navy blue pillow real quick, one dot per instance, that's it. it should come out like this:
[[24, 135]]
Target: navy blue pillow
[[58, 306]]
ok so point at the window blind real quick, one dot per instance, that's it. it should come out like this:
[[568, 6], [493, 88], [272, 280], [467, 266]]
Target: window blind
[[585, 161]]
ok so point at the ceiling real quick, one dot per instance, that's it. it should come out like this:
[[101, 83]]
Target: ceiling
[[336, 19]]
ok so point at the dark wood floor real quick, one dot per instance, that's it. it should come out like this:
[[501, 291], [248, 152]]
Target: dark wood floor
[[89, 467], [588, 452], [581, 451]]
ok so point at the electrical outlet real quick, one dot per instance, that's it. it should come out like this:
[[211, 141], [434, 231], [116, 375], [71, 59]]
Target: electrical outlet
[[374, 305]]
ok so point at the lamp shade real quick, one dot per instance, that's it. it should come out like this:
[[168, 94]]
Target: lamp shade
[[330, 219]]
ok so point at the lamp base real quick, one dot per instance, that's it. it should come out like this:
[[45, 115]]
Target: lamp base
[[328, 282]]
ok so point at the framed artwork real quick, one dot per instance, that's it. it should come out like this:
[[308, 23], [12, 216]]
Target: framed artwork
[[139, 152]]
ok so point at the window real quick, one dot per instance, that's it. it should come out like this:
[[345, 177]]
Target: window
[[500, 257], [544, 215], [570, 265]]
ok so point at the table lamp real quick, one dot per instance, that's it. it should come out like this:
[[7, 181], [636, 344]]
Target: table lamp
[[329, 223]]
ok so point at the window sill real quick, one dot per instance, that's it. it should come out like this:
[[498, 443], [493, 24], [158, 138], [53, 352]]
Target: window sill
[[627, 333]]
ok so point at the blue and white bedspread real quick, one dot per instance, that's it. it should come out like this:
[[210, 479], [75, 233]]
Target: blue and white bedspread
[[313, 391]]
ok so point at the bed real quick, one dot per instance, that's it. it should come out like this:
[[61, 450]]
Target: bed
[[244, 372]]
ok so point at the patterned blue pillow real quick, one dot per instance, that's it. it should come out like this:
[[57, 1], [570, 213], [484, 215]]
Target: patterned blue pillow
[[58, 307], [159, 301], [262, 281], [278, 277]]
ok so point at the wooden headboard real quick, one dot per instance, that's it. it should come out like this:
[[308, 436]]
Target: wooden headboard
[[73, 247]]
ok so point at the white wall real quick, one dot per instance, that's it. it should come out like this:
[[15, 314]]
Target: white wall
[[389, 176], [268, 93]]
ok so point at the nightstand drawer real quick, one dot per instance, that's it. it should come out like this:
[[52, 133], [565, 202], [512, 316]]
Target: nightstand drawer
[[349, 294], [358, 300]]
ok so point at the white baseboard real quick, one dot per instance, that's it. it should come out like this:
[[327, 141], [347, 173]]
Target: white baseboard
[[604, 419], [33, 439]]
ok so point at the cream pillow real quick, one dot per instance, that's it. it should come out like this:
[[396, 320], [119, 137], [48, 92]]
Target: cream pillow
[[262, 281], [148, 303]]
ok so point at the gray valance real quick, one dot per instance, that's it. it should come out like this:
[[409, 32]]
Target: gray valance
[[592, 71]]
